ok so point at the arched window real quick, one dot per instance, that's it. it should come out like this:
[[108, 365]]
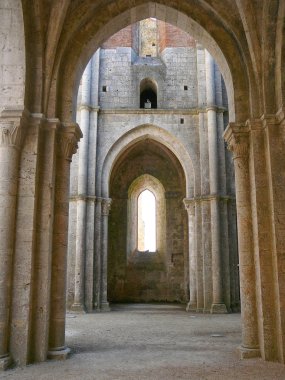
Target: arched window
[[148, 93], [146, 221], [146, 216]]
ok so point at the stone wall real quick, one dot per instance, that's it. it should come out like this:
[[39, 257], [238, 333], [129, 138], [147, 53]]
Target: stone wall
[[190, 121], [174, 70], [12, 54]]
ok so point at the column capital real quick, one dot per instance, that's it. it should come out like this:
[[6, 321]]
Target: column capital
[[106, 206], [189, 204], [88, 107], [13, 122], [269, 119], [280, 114], [237, 139], [68, 138]]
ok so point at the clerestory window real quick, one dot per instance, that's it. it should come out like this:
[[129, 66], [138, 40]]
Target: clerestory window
[[146, 217], [146, 221]]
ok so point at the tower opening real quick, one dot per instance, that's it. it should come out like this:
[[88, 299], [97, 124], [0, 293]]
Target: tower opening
[[148, 93]]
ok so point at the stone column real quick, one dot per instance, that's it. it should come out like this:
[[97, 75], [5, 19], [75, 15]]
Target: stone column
[[106, 205], [42, 261], [199, 257], [78, 304], [90, 257], [11, 133], [97, 271], [203, 227], [68, 137], [218, 305], [237, 138], [190, 208]]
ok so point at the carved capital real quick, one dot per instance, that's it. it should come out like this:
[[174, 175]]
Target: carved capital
[[280, 115], [237, 138], [106, 206], [10, 133], [189, 204], [67, 141]]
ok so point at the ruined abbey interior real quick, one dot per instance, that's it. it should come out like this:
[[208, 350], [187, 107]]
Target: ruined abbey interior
[[111, 108], [175, 149]]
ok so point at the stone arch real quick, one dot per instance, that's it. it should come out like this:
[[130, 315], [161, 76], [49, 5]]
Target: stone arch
[[12, 50], [147, 131], [147, 164], [231, 54]]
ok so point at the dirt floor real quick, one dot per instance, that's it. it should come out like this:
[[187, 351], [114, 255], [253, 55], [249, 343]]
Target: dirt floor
[[151, 342]]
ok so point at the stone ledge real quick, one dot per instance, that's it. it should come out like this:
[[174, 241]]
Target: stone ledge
[[219, 308], [5, 362], [78, 308], [159, 111], [105, 306], [61, 354], [248, 353], [191, 307]]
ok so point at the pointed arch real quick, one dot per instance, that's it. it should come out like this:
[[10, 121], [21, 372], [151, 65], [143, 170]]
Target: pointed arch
[[229, 51], [143, 132]]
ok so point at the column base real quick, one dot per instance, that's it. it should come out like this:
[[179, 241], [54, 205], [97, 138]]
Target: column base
[[191, 306], [248, 353], [105, 306], [60, 354], [5, 362], [219, 308], [78, 308]]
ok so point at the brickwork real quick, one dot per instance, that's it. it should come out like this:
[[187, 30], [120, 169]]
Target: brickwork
[[171, 36], [124, 38]]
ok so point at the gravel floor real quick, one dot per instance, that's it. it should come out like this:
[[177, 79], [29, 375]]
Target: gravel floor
[[151, 342]]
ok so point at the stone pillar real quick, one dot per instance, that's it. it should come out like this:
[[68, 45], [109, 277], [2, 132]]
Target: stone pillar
[[68, 137], [90, 259], [199, 257], [237, 138], [218, 305], [203, 225], [11, 132], [190, 208], [97, 271], [106, 206], [267, 203], [78, 304], [42, 261], [201, 233]]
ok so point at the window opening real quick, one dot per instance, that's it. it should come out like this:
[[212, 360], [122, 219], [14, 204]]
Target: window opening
[[104, 88], [146, 221], [148, 93], [185, 88]]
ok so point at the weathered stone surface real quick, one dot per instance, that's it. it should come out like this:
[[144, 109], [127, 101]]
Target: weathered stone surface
[[44, 49]]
